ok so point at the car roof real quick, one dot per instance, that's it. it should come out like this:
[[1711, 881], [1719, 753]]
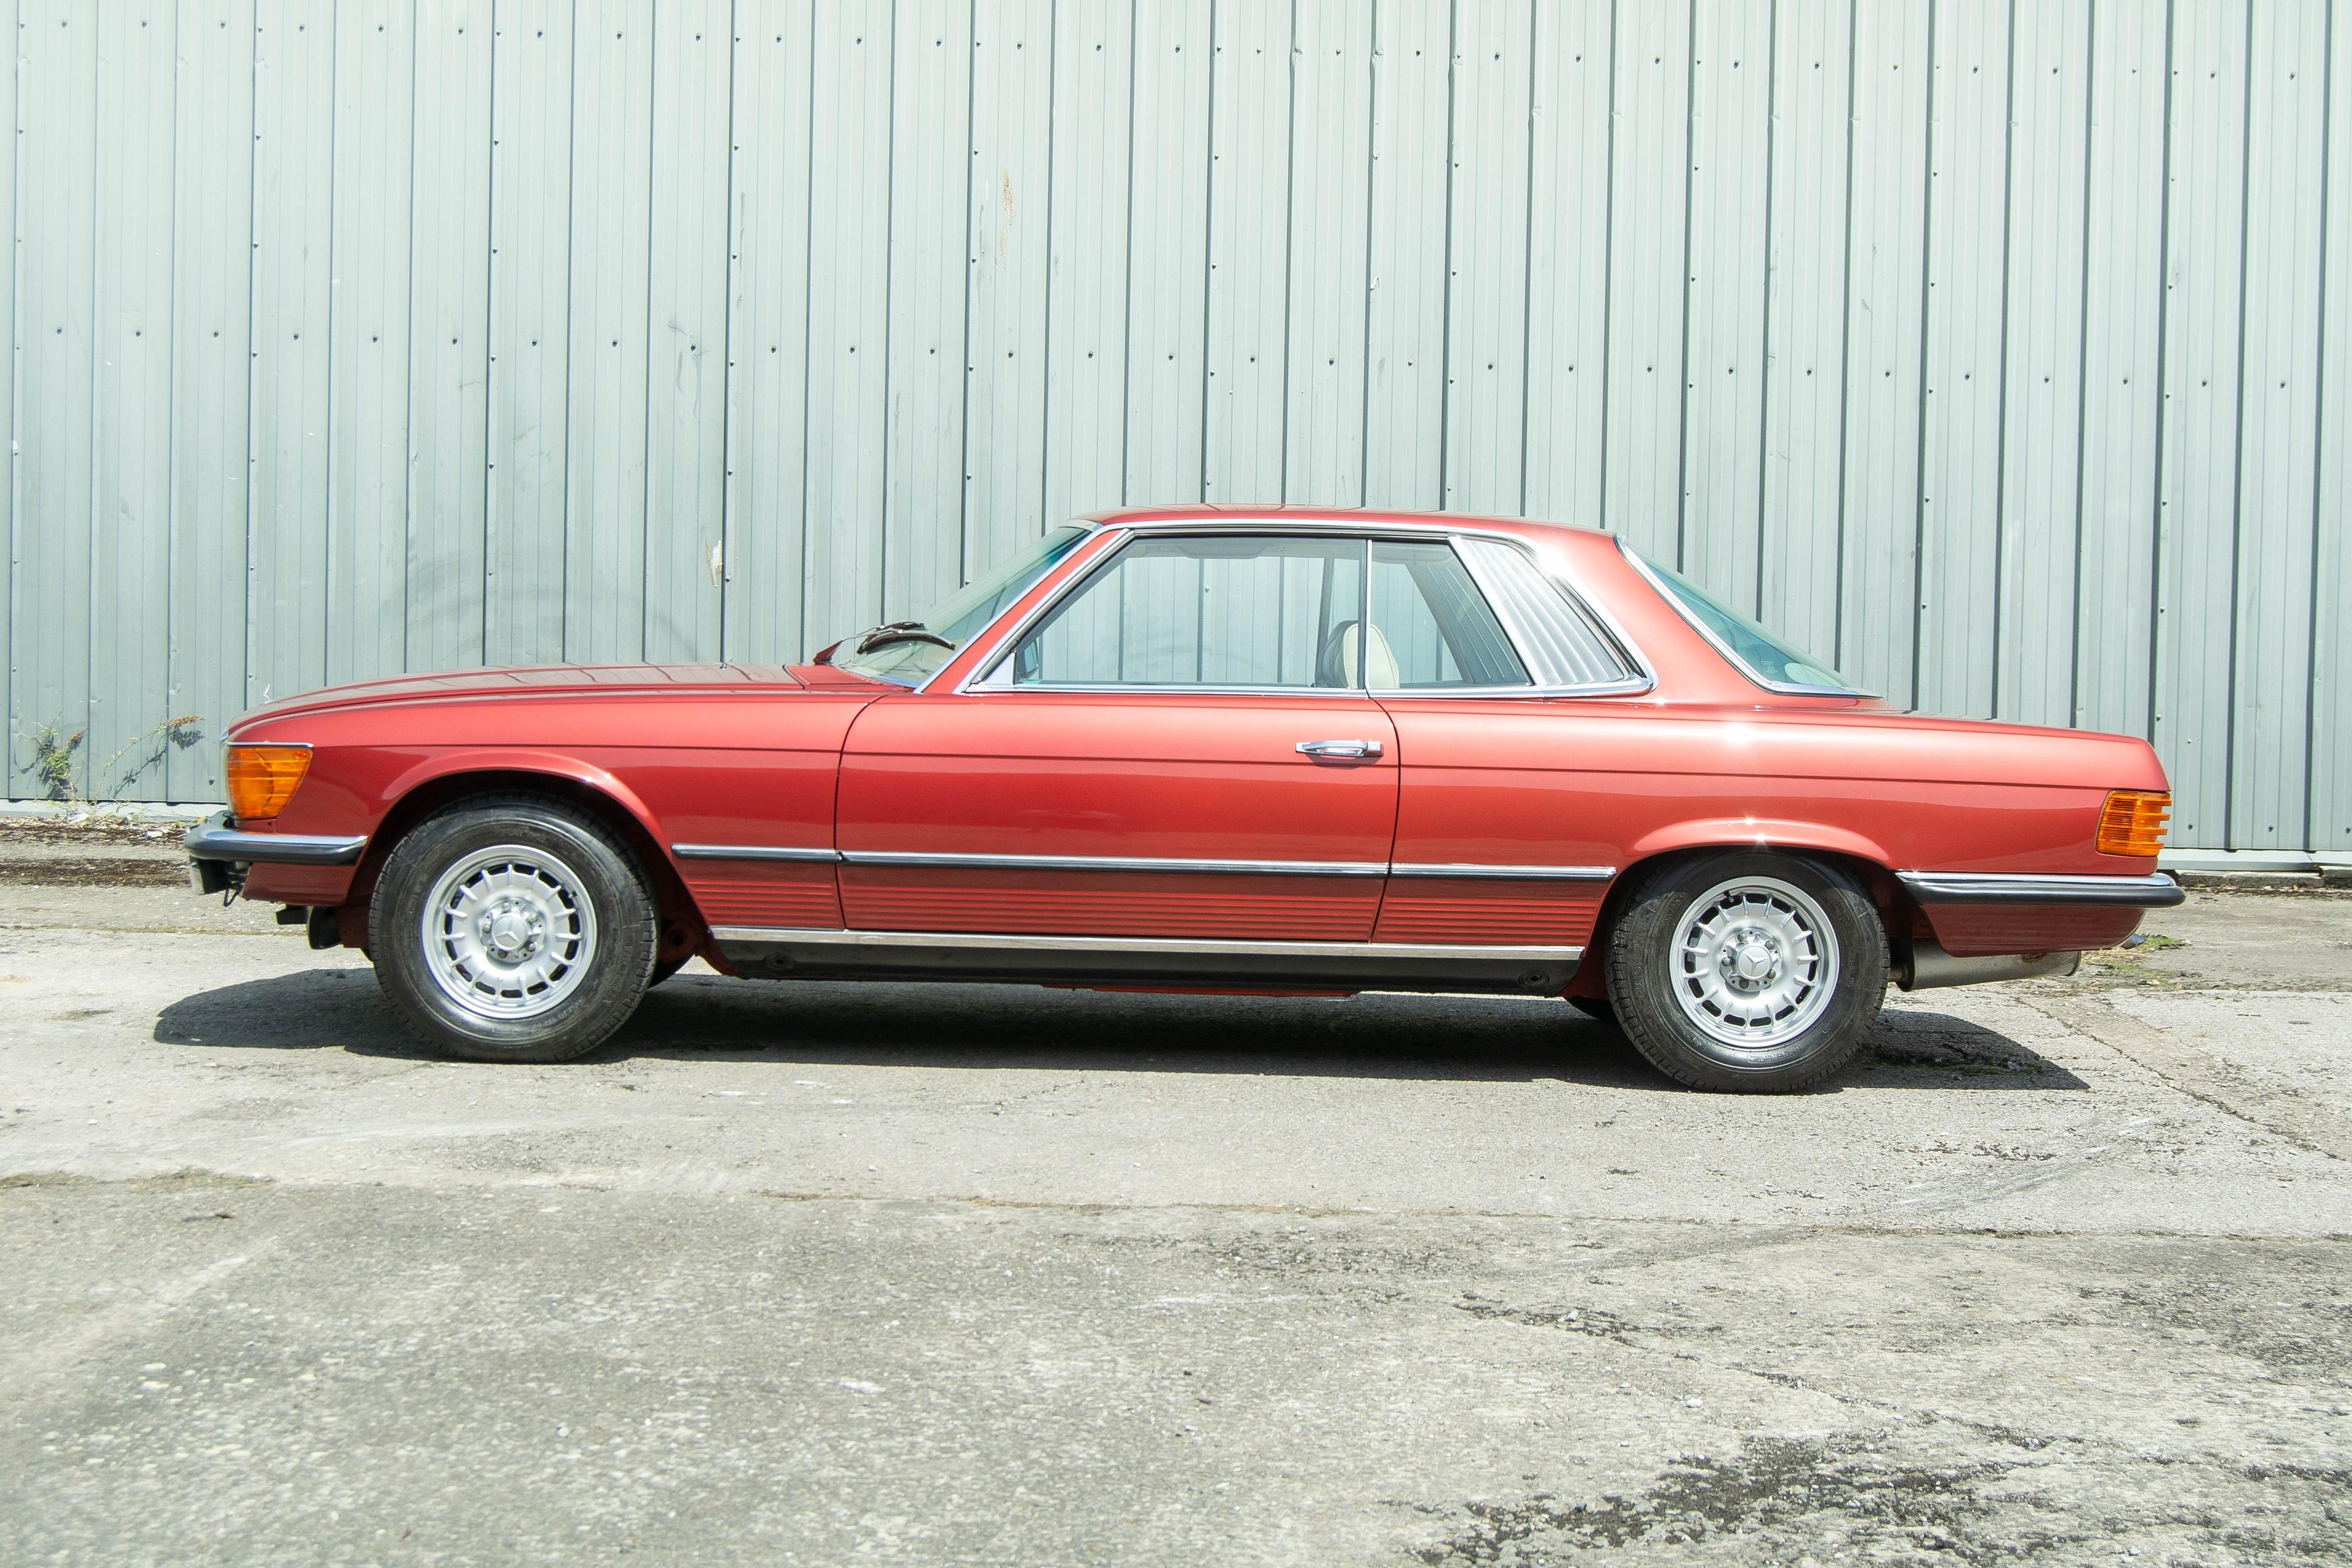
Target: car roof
[[1154, 516]]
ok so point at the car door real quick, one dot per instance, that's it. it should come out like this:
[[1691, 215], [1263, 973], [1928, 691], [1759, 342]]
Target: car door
[[1488, 677], [1179, 747]]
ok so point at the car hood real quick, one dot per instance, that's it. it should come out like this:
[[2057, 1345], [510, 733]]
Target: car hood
[[537, 680]]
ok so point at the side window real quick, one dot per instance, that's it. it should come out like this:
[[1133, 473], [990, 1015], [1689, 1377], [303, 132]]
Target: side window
[[1211, 610], [1564, 645], [1431, 626]]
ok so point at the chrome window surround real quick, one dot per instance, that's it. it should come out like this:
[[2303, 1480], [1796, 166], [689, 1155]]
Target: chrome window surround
[[1674, 602], [985, 675], [2154, 891], [1145, 863]]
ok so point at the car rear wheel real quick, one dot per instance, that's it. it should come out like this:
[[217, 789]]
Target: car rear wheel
[[513, 930], [1747, 972]]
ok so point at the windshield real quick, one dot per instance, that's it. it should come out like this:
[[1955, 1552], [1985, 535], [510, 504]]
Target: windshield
[[1762, 657], [892, 654]]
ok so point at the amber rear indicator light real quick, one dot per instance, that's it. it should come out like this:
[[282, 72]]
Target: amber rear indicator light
[[262, 779], [2132, 822]]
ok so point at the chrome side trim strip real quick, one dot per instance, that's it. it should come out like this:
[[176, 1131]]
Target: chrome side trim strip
[[1508, 873], [1142, 863], [215, 839], [1200, 946], [2154, 891], [751, 852], [1119, 863]]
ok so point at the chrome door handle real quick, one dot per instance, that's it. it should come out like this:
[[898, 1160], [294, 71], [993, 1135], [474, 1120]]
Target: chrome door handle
[[1353, 750]]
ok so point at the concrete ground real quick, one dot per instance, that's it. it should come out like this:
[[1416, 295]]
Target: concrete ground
[[2060, 1271]]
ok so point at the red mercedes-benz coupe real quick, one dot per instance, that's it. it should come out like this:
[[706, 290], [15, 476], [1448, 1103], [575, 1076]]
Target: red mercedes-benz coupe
[[1215, 748]]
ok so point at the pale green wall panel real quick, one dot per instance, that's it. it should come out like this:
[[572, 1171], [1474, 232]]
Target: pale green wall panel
[[526, 516], [1803, 521], [1167, 237], [1887, 291], [848, 302], [58, 343], [1331, 149], [212, 356], [931, 175], [1994, 350], [1960, 446], [1642, 494], [2042, 396], [129, 612], [768, 332], [1723, 367], [2197, 500], [450, 335], [11, 498], [1086, 303], [1567, 260], [1249, 226], [1487, 323], [2329, 812], [1012, 208], [2123, 307], [2278, 435], [293, 204], [609, 249], [686, 312], [368, 341], [1405, 324]]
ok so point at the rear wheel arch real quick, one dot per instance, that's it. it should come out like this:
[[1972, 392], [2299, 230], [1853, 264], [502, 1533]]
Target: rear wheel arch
[[683, 930], [1896, 911]]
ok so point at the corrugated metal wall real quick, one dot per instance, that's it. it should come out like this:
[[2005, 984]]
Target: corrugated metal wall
[[2001, 352]]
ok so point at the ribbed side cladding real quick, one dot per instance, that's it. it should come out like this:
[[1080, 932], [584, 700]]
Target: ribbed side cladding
[[1996, 352]]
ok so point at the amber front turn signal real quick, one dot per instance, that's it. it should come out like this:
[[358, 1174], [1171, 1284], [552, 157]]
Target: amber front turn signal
[[2132, 822], [261, 779]]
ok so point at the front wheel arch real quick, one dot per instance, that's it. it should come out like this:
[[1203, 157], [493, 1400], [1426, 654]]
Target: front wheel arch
[[684, 932]]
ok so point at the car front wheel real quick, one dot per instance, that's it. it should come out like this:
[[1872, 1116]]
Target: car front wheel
[[1749, 972], [513, 929]]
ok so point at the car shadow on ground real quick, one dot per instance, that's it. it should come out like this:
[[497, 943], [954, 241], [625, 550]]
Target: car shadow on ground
[[1375, 1035]]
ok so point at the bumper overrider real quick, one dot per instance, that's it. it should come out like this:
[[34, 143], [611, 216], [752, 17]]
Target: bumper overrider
[[219, 852]]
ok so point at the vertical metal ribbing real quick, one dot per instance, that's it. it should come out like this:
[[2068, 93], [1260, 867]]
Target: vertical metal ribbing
[[2238, 441], [2311, 820], [1445, 269], [2156, 411], [2000, 416], [1681, 375], [1845, 335], [1926, 261]]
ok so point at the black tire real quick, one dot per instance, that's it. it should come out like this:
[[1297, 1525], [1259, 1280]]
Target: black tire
[[603, 873], [1598, 1009], [1647, 979]]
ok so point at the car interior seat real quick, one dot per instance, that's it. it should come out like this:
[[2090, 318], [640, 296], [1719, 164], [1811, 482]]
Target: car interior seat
[[1338, 664]]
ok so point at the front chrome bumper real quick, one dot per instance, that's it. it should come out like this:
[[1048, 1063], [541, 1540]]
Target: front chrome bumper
[[217, 851]]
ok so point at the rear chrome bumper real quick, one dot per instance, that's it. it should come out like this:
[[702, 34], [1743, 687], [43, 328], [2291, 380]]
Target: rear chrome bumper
[[215, 849], [2154, 891]]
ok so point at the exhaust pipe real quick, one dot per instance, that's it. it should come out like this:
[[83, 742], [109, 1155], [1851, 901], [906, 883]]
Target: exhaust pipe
[[1930, 967]]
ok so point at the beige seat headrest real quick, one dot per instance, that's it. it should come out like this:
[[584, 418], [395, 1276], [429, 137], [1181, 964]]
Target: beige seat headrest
[[1339, 664]]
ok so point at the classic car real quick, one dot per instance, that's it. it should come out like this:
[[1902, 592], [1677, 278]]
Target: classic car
[[1263, 749]]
